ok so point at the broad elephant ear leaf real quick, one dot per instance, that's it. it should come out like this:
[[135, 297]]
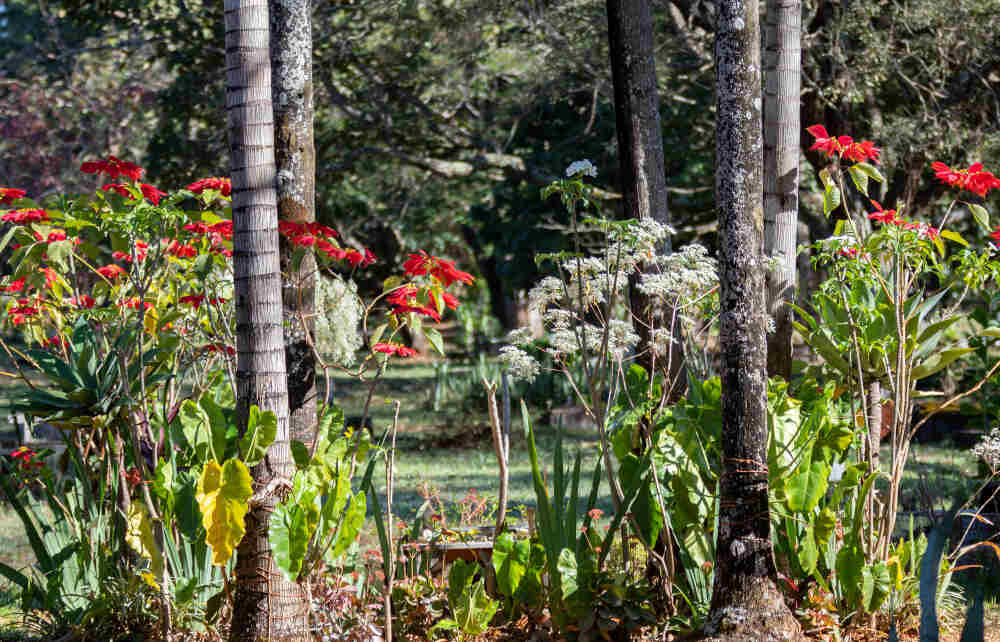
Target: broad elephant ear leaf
[[223, 493]]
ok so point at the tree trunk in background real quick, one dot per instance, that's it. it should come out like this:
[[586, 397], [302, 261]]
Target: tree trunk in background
[[746, 603], [265, 605], [640, 153], [782, 69], [295, 157]]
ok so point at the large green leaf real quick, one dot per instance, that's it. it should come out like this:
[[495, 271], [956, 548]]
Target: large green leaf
[[222, 494], [807, 485], [472, 607], [510, 561], [875, 586], [262, 428], [289, 530], [350, 525], [937, 362]]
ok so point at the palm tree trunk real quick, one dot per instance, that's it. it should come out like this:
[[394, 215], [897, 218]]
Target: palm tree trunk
[[295, 157], [266, 606], [782, 67], [746, 603]]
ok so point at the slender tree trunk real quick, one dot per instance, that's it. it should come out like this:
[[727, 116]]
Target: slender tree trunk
[[266, 606], [640, 153], [295, 157], [783, 70], [746, 603]]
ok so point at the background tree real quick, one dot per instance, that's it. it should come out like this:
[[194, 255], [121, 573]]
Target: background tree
[[746, 602], [782, 75], [295, 159], [266, 606], [640, 157]]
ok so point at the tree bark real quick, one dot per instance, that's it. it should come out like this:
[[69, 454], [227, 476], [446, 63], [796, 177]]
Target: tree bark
[[266, 606], [783, 70], [640, 154], [295, 157], [746, 603]]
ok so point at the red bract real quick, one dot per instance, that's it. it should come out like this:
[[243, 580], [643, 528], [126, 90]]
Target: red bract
[[152, 194], [304, 240], [9, 194], [194, 300], [402, 295], [121, 188], [394, 348], [843, 145], [15, 286], [450, 300], [182, 250], [56, 342], [114, 168], [223, 229], [441, 269], [25, 216], [218, 347], [134, 303], [56, 235], [22, 312], [83, 301], [974, 179], [50, 276], [419, 309], [881, 215], [121, 256], [223, 185], [111, 272]]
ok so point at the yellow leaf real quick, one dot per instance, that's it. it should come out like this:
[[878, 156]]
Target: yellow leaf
[[222, 494], [150, 321], [140, 536], [150, 579]]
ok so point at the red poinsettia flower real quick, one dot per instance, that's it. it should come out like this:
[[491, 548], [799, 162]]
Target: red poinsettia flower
[[56, 342], [15, 286], [419, 309], [25, 216], [223, 185], [402, 295], [223, 229], [194, 300], [111, 272], [304, 240], [20, 313], [450, 300], [881, 215], [113, 167], [134, 303], [181, 250], [974, 179], [151, 194], [441, 269], [320, 230], [218, 347], [394, 348], [50, 276], [9, 194], [83, 301], [824, 142], [121, 188], [860, 152], [56, 235]]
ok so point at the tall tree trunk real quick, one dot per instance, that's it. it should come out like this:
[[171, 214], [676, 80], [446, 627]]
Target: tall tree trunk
[[266, 606], [746, 603], [640, 153], [295, 157], [783, 70]]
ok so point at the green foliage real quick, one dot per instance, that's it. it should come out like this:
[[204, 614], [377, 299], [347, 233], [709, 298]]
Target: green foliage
[[471, 608]]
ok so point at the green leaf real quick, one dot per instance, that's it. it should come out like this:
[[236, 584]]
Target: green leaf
[[823, 525], [300, 453], [434, 338], [222, 494], [567, 573], [875, 586], [196, 429], [831, 199], [937, 362], [807, 486], [472, 607], [952, 235], [860, 179], [351, 525], [981, 215], [262, 428], [510, 561], [289, 529], [870, 170], [849, 565], [808, 551], [58, 253]]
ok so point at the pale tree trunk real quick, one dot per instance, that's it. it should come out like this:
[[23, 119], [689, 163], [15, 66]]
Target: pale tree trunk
[[265, 605], [295, 157], [782, 69], [746, 603], [640, 153]]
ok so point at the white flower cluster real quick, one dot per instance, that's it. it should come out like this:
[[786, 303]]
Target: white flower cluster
[[661, 340], [520, 336], [519, 364], [546, 292], [584, 167], [685, 273], [989, 449], [568, 338], [338, 317]]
